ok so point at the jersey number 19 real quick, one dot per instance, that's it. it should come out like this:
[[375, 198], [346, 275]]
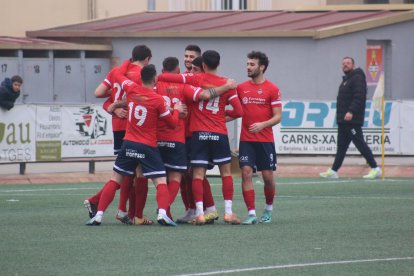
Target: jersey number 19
[[140, 113]]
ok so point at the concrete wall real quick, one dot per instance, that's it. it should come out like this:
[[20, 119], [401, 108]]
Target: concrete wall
[[22, 15], [303, 68], [110, 8]]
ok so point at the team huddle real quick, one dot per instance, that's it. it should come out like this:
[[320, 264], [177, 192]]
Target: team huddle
[[171, 128]]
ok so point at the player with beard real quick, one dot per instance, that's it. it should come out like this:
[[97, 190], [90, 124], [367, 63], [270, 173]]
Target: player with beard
[[172, 142], [262, 109], [190, 53], [209, 134], [211, 213]]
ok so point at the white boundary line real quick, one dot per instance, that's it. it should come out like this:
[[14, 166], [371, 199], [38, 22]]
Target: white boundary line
[[297, 265], [322, 181], [212, 184], [300, 183], [219, 196], [343, 197], [43, 190]]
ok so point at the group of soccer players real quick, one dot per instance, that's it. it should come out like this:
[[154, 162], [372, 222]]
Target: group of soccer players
[[171, 128]]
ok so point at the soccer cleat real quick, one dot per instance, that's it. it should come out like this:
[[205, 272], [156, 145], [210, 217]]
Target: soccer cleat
[[211, 216], [266, 217], [165, 220], [373, 173], [95, 221], [124, 219], [187, 218], [90, 207], [231, 219], [199, 220], [250, 220], [329, 174], [142, 221]]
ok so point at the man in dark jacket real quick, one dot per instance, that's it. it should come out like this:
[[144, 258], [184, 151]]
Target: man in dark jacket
[[350, 113], [10, 91]]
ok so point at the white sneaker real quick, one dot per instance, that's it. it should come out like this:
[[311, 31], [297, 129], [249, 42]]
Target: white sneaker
[[95, 221], [165, 220], [373, 173], [90, 207], [329, 174]]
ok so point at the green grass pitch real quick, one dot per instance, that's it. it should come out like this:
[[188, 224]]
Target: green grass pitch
[[319, 227]]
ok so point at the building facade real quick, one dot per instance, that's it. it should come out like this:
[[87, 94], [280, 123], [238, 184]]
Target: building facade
[[23, 15]]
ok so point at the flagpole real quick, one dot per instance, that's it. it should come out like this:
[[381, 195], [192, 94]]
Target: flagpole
[[382, 137]]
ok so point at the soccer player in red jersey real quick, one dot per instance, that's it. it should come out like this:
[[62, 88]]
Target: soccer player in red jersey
[[139, 147], [191, 52], [209, 134], [171, 142], [211, 213], [141, 55], [262, 106]]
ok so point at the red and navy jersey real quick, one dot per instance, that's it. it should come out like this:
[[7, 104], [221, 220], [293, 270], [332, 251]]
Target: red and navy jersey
[[258, 101], [117, 94], [209, 115], [145, 108], [174, 93], [134, 73]]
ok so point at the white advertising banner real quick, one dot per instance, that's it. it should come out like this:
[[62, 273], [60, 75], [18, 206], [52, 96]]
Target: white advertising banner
[[49, 133], [310, 128], [406, 128], [17, 134], [87, 132]]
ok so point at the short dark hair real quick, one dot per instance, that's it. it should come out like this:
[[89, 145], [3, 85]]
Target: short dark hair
[[148, 73], [198, 61], [141, 52], [353, 61], [170, 63], [211, 59], [16, 78], [261, 57], [194, 48]]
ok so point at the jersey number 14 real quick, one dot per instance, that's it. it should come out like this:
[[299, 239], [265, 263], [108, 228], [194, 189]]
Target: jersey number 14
[[212, 105]]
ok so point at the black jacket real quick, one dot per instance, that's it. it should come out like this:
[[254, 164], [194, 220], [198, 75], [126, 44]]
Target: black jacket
[[352, 96], [7, 95]]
